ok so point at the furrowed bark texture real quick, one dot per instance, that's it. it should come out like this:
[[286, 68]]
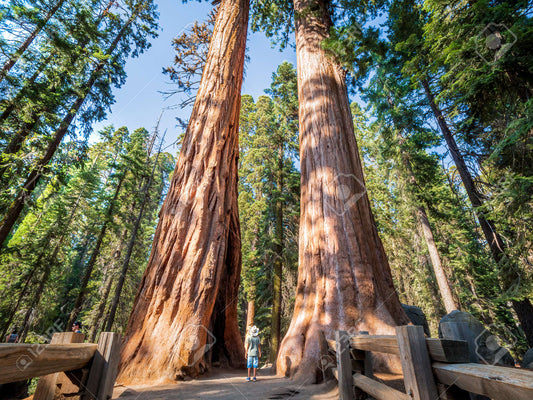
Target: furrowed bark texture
[[250, 315], [344, 279], [185, 314]]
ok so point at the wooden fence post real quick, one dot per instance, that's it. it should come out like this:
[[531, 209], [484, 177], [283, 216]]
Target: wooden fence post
[[104, 368], [324, 362], [416, 365], [63, 383], [368, 371], [344, 366], [361, 364]]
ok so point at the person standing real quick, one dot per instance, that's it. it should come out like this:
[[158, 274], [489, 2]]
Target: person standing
[[76, 327], [252, 349], [13, 337]]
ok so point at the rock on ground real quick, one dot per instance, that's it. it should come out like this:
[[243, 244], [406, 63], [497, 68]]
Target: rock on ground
[[417, 317], [528, 359], [482, 341]]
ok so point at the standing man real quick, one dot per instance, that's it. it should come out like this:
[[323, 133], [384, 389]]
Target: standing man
[[13, 337], [253, 350], [76, 327]]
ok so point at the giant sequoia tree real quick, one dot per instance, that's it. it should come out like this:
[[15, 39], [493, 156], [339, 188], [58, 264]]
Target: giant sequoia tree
[[185, 313], [344, 280]]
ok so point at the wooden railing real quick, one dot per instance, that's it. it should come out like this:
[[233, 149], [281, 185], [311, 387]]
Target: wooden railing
[[67, 366], [432, 369]]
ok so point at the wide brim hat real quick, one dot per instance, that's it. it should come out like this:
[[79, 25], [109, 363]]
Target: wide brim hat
[[254, 331]]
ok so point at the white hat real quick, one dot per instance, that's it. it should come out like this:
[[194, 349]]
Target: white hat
[[254, 330]]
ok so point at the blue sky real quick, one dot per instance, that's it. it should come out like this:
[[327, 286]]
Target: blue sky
[[139, 101]]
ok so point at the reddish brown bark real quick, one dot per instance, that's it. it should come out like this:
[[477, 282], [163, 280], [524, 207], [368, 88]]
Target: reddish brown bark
[[344, 279], [185, 314], [250, 314]]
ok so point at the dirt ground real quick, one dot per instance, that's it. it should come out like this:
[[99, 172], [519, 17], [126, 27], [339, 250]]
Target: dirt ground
[[223, 384]]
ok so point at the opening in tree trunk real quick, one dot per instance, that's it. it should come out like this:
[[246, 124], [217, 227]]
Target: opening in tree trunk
[[185, 313]]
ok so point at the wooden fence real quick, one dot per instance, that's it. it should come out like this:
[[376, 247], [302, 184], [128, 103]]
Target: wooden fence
[[67, 366], [432, 369]]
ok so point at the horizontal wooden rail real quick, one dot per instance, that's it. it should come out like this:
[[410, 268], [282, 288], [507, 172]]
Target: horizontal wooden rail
[[377, 389], [441, 350], [374, 388], [378, 343], [448, 351], [420, 373], [24, 361], [499, 383]]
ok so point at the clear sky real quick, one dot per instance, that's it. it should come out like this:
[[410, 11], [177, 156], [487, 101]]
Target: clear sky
[[139, 101]]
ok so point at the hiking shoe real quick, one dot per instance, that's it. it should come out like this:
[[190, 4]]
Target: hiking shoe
[[254, 379], [248, 379]]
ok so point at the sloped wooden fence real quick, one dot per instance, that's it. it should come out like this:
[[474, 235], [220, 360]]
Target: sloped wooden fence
[[432, 369], [68, 367]]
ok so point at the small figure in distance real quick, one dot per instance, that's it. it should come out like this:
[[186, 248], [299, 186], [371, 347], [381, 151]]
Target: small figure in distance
[[252, 349], [13, 337], [76, 327]]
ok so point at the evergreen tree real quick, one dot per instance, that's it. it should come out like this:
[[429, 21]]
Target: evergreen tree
[[126, 34], [46, 259], [269, 200]]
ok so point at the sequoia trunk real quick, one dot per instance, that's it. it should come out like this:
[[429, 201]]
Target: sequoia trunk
[[250, 314], [344, 279], [185, 313]]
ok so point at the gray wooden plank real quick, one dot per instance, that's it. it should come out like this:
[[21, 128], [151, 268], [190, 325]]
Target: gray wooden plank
[[416, 365], [344, 365], [499, 383]]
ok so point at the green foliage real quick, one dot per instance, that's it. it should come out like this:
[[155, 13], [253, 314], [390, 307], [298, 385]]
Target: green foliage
[[69, 68], [60, 230], [269, 189], [486, 105]]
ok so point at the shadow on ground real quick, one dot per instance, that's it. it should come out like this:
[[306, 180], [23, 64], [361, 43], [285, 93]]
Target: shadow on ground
[[225, 384]]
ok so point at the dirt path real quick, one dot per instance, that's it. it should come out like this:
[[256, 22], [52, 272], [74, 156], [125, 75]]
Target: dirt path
[[222, 384]]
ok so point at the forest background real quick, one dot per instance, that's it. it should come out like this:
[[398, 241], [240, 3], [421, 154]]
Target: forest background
[[443, 126]]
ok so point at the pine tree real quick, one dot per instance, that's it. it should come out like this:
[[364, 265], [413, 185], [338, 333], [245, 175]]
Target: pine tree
[[268, 200], [134, 29]]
